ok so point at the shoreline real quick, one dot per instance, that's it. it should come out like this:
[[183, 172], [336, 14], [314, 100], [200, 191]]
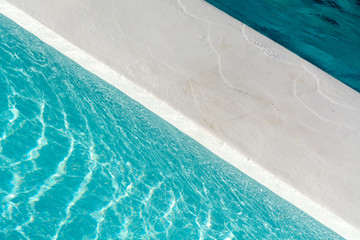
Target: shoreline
[[228, 147]]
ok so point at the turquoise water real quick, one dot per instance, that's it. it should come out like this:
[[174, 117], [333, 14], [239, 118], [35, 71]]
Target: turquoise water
[[324, 32], [81, 160]]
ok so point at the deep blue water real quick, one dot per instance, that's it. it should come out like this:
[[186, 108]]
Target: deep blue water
[[324, 32], [81, 160]]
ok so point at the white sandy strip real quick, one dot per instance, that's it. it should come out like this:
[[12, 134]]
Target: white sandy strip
[[183, 123]]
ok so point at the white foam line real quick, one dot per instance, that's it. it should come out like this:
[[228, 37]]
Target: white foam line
[[186, 125]]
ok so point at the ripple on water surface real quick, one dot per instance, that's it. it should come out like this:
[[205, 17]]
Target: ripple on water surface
[[81, 160]]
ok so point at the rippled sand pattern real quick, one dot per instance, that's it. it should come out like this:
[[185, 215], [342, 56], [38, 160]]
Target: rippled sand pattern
[[81, 160]]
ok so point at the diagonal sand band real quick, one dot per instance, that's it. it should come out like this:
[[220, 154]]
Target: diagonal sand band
[[271, 114]]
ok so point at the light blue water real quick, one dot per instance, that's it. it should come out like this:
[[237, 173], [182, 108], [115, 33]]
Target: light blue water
[[81, 160], [324, 32]]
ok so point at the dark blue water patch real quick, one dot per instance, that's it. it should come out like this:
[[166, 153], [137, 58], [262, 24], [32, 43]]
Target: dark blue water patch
[[81, 160], [324, 32]]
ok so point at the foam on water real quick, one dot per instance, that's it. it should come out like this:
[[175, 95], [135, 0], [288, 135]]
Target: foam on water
[[323, 32], [80, 159]]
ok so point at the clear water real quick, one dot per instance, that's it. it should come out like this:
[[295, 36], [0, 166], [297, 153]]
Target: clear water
[[324, 32], [81, 160]]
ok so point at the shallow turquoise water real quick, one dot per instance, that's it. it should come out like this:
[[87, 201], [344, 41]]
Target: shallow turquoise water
[[81, 160], [324, 32]]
